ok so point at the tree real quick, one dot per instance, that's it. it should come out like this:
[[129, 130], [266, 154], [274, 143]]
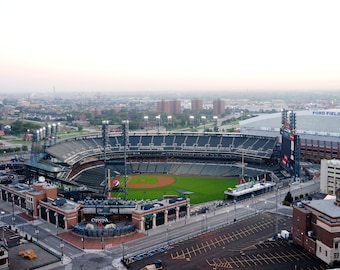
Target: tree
[[288, 199]]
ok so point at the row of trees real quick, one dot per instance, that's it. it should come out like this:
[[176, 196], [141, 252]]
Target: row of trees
[[19, 127]]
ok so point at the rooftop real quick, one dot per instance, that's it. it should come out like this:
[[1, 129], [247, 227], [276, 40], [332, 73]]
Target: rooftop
[[326, 206]]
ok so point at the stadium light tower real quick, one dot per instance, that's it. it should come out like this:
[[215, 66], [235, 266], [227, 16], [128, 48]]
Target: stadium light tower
[[158, 119], [105, 138], [203, 120], [169, 117], [125, 124], [215, 118], [192, 121], [146, 120], [290, 146]]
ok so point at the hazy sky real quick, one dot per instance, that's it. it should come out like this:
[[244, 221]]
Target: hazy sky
[[169, 45]]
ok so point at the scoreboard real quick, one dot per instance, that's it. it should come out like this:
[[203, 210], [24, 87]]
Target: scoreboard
[[287, 151], [290, 146]]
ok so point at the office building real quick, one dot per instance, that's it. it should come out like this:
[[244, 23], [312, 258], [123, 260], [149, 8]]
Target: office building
[[329, 176]]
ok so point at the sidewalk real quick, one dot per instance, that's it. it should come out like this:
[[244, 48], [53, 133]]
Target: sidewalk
[[90, 243]]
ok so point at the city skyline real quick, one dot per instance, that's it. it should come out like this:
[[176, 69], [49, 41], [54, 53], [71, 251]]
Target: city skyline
[[152, 46]]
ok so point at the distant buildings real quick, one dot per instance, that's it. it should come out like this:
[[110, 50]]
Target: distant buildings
[[196, 104], [169, 106], [218, 106], [174, 106], [330, 176]]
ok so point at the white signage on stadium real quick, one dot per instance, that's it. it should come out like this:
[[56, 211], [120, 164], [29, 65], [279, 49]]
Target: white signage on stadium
[[328, 113], [99, 219]]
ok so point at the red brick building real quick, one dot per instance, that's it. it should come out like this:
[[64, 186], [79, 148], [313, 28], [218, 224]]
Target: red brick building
[[39, 201], [316, 227], [196, 104], [169, 106], [218, 106]]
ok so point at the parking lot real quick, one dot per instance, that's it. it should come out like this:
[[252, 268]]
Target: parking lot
[[43, 258], [241, 245]]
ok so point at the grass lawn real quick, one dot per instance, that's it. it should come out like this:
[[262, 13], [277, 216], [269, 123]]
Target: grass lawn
[[204, 188]]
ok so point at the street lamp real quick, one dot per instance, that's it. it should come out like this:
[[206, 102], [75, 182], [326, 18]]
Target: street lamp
[[2, 229], [83, 239], [254, 206], [56, 221], [102, 240], [37, 232], [204, 221], [168, 233], [13, 217], [62, 250], [2, 214], [235, 210]]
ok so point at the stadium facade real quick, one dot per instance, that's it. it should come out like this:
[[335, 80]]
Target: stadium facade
[[319, 132]]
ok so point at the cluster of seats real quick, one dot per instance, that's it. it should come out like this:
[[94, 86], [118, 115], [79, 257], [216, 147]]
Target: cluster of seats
[[74, 150]]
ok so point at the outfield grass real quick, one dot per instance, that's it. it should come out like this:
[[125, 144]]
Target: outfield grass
[[205, 188]]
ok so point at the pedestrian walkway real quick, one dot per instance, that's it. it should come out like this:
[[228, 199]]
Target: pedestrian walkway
[[90, 243]]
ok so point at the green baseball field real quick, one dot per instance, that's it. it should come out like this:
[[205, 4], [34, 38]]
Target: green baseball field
[[200, 189]]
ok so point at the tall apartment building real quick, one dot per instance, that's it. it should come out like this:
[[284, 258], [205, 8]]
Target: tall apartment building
[[169, 106], [196, 104], [162, 106], [329, 176], [218, 106]]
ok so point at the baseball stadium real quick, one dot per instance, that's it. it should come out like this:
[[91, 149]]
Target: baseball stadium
[[148, 179], [115, 183]]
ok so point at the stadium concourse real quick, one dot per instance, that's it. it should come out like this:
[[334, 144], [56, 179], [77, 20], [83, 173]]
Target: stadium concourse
[[78, 166]]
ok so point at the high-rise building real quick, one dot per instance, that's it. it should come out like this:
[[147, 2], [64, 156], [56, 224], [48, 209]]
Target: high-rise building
[[218, 106], [169, 106], [329, 176], [163, 106], [196, 104], [175, 106]]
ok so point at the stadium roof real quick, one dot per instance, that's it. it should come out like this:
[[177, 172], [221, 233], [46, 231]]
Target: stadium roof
[[324, 123]]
